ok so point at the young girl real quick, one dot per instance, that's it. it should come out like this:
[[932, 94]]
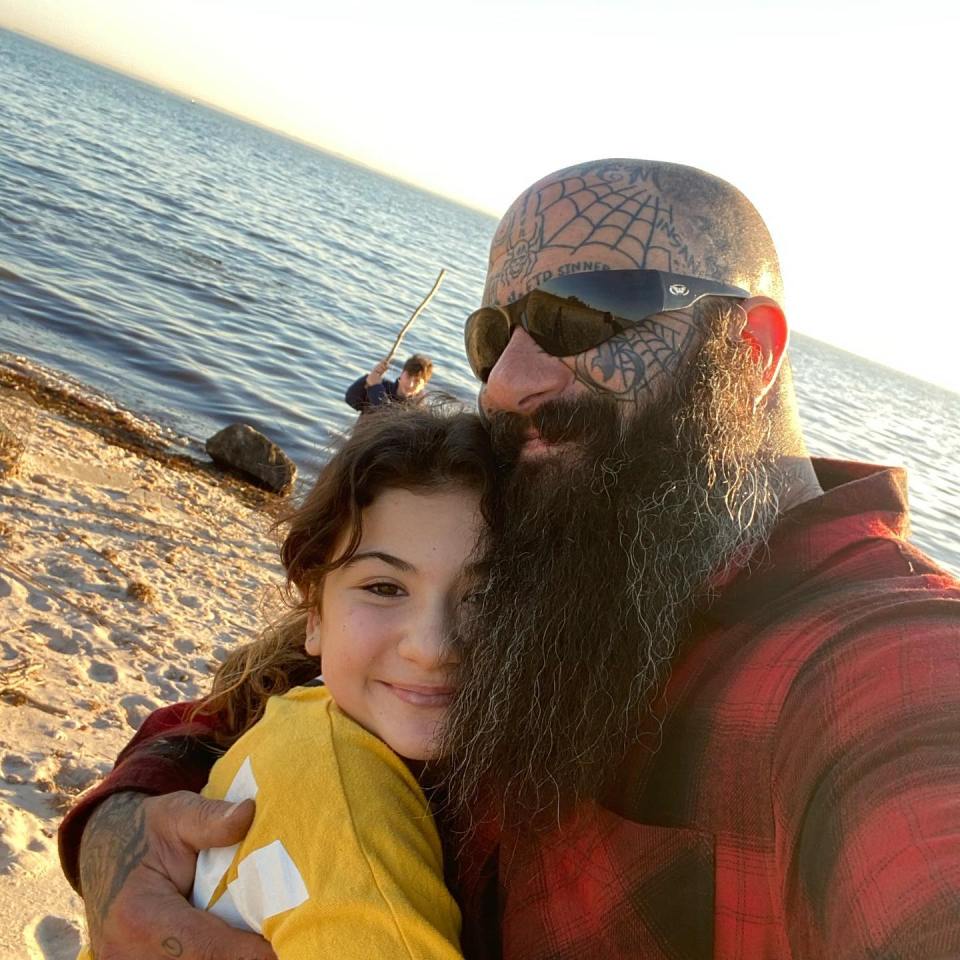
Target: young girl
[[343, 858]]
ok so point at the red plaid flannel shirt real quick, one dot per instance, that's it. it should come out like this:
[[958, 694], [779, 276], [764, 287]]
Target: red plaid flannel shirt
[[803, 799]]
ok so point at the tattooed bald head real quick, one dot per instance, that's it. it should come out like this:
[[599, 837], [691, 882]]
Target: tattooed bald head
[[636, 471], [632, 214]]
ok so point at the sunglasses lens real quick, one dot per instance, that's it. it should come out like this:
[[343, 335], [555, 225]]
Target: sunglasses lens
[[575, 312], [486, 336], [564, 326]]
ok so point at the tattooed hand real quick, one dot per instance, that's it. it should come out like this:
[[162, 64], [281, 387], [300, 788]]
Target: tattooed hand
[[137, 861]]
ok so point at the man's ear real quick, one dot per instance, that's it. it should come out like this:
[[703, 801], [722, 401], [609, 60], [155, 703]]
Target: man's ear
[[767, 333], [312, 642]]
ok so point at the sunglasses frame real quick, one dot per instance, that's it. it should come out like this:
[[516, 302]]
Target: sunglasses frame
[[608, 292]]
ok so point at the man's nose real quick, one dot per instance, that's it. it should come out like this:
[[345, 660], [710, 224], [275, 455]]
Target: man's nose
[[524, 377], [427, 641]]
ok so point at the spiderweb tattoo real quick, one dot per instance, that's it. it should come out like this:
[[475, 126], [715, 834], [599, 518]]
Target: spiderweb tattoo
[[602, 216], [630, 364], [595, 212]]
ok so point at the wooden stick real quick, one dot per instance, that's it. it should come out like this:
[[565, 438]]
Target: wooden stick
[[416, 313], [17, 698], [22, 574], [18, 673]]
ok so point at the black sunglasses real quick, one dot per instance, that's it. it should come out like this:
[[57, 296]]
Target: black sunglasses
[[570, 314]]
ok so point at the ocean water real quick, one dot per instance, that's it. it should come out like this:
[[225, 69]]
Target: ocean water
[[198, 270]]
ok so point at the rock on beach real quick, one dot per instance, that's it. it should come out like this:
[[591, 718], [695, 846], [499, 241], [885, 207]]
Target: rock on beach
[[240, 447]]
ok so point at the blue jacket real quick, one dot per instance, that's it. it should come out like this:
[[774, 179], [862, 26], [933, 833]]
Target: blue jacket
[[363, 398]]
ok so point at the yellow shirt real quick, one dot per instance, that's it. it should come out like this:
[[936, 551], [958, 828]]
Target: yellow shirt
[[343, 859]]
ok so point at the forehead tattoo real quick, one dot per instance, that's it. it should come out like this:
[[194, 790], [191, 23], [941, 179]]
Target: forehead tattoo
[[596, 215]]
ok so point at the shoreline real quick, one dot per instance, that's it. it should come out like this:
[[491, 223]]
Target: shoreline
[[127, 572], [119, 427]]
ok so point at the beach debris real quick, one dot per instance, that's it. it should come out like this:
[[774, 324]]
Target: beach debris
[[18, 571], [17, 698], [15, 676], [18, 673], [142, 591], [11, 452], [241, 448]]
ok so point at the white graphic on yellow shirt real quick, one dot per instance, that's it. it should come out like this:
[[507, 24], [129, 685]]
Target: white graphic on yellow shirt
[[267, 881]]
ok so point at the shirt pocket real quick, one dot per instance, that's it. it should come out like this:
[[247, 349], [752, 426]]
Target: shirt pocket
[[602, 887]]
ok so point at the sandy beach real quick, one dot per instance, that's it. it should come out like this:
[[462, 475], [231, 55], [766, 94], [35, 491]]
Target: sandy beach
[[126, 574]]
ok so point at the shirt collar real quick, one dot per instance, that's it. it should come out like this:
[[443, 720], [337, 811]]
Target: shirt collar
[[860, 501]]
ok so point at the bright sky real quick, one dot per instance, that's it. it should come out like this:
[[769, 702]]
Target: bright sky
[[836, 117]]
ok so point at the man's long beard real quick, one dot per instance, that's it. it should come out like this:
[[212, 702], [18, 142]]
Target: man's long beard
[[604, 552]]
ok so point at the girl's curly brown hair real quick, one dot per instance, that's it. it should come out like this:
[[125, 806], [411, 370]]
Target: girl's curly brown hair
[[401, 446]]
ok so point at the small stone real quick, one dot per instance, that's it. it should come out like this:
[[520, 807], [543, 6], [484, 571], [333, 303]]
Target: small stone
[[142, 591]]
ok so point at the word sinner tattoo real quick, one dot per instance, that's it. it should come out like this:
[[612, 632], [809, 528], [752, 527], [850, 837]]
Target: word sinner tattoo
[[114, 843]]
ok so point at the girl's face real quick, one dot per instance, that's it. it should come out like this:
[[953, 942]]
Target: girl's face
[[387, 613]]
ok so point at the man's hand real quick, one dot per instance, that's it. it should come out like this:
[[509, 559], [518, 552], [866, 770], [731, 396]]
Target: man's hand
[[377, 373], [137, 861]]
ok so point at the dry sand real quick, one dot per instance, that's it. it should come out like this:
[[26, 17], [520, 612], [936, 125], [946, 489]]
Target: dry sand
[[125, 576]]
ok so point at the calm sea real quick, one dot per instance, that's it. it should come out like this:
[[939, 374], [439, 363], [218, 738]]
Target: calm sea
[[199, 270]]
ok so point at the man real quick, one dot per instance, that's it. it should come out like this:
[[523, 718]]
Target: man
[[371, 390], [709, 704]]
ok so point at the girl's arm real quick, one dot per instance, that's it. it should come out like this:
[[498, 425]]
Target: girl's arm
[[343, 858]]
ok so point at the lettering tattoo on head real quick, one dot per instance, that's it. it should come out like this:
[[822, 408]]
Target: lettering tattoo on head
[[114, 843], [611, 212]]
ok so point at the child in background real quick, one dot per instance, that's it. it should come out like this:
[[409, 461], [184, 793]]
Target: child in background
[[371, 391], [343, 858]]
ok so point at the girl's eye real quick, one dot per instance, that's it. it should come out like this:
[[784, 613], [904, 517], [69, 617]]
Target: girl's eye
[[384, 589]]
